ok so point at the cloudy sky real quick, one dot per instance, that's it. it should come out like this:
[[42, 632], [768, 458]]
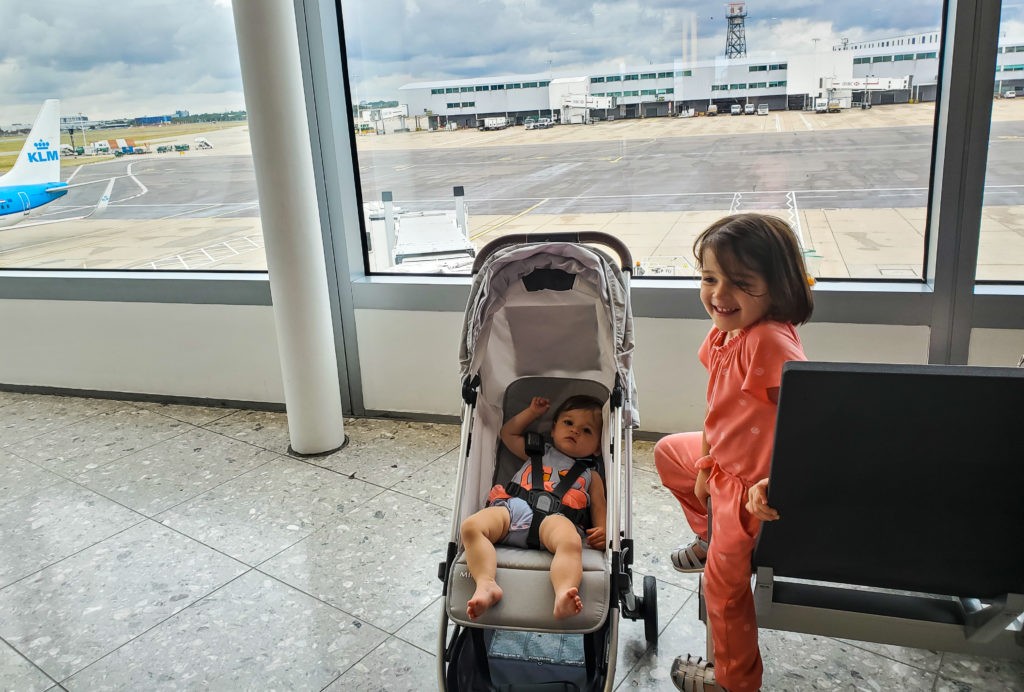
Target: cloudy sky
[[116, 59], [151, 57]]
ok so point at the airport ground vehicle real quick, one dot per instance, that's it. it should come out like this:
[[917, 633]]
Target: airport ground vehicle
[[712, 110], [498, 123], [762, 109], [1010, 94], [748, 109], [735, 109], [827, 105], [539, 124]]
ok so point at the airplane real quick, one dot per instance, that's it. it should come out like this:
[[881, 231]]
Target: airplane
[[35, 178]]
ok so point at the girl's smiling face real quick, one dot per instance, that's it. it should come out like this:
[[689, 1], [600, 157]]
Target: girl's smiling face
[[734, 302]]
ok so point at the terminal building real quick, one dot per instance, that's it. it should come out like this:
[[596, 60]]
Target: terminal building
[[898, 69]]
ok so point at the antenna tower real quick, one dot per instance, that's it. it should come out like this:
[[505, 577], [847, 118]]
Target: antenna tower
[[736, 35]]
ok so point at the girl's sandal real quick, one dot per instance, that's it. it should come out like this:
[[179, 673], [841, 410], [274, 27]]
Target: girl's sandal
[[685, 558], [694, 674]]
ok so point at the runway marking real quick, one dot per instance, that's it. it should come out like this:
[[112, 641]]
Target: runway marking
[[105, 198], [137, 181], [778, 124], [74, 173], [806, 122], [174, 216], [711, 194], [794, 217], [204, 256], [508, 220], [189, 204]]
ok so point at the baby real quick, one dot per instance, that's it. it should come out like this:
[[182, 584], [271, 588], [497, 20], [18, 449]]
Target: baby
[[575, 435]]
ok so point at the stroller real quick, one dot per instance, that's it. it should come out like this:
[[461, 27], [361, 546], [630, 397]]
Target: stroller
[[547, 316]]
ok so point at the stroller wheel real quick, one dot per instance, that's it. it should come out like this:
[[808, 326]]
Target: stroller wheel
[[650, 609]]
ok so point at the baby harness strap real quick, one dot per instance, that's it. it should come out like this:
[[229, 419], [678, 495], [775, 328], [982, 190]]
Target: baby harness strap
[[543, 502]]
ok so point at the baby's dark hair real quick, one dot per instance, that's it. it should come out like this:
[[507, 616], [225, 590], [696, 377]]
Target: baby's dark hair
[[579, 402], [766, 245]]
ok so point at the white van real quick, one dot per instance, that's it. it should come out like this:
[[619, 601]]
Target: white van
[[735, 109], [748, 109], [762, 109]]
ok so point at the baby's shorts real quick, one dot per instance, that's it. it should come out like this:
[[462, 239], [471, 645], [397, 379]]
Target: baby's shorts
[[520, 516]]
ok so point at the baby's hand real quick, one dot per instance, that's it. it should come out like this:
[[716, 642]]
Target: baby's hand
[[596, 537], [540, 405]]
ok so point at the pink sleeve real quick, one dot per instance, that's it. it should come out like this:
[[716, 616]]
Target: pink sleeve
[[704, 352], [767, 348]]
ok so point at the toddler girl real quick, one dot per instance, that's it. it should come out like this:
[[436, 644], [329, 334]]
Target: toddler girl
[[755, 288]]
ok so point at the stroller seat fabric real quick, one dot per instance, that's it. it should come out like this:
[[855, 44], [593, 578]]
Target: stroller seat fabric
[[524, 577]]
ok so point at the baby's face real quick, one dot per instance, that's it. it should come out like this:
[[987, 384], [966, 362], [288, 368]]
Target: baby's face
[[577, 432]]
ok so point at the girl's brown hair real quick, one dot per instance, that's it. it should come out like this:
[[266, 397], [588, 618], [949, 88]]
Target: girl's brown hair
[[766, 245]]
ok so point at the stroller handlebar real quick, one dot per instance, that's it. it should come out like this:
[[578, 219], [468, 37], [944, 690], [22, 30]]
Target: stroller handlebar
[[593, 237]]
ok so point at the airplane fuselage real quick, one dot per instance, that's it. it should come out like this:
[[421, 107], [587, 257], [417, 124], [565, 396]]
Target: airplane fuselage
[[19, 199]]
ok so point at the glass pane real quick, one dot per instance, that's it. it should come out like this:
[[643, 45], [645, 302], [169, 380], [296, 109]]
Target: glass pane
[[648, 122], [1001, 244], [138, 108]]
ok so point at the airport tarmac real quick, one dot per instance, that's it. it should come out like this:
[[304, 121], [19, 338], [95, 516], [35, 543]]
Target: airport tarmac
[[853, 184]]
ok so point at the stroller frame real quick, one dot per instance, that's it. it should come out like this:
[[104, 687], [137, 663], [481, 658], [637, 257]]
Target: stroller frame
[[456, 640]]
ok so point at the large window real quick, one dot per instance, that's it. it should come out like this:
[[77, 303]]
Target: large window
[[153, 141], [852, 179], [1001, 244], [533, 148]]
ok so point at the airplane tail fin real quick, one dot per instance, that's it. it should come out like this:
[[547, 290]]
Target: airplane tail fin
[[39, 160]]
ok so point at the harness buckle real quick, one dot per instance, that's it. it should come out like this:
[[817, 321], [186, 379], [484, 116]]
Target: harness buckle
[[544, 502]]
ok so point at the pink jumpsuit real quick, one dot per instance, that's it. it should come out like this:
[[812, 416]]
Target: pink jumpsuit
[[740, 428]]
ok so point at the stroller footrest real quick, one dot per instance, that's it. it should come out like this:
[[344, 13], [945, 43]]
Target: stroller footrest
[[528, 601]]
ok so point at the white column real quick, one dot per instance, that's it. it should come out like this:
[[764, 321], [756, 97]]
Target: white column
[[279, 134]]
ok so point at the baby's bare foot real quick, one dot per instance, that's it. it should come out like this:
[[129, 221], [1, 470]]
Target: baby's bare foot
[[487, 594], [568, 604]]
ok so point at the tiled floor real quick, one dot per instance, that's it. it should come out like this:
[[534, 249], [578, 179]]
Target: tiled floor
[[154, 547]]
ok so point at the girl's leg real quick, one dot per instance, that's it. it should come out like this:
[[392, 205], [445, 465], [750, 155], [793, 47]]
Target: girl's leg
[[674, 457], [730, 603], [480, 532], [560, 537]]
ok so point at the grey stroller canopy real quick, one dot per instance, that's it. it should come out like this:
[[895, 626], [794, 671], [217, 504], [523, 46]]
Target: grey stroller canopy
[[505, 338]]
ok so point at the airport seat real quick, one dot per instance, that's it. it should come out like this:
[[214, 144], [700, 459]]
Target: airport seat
[[899, 492]]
